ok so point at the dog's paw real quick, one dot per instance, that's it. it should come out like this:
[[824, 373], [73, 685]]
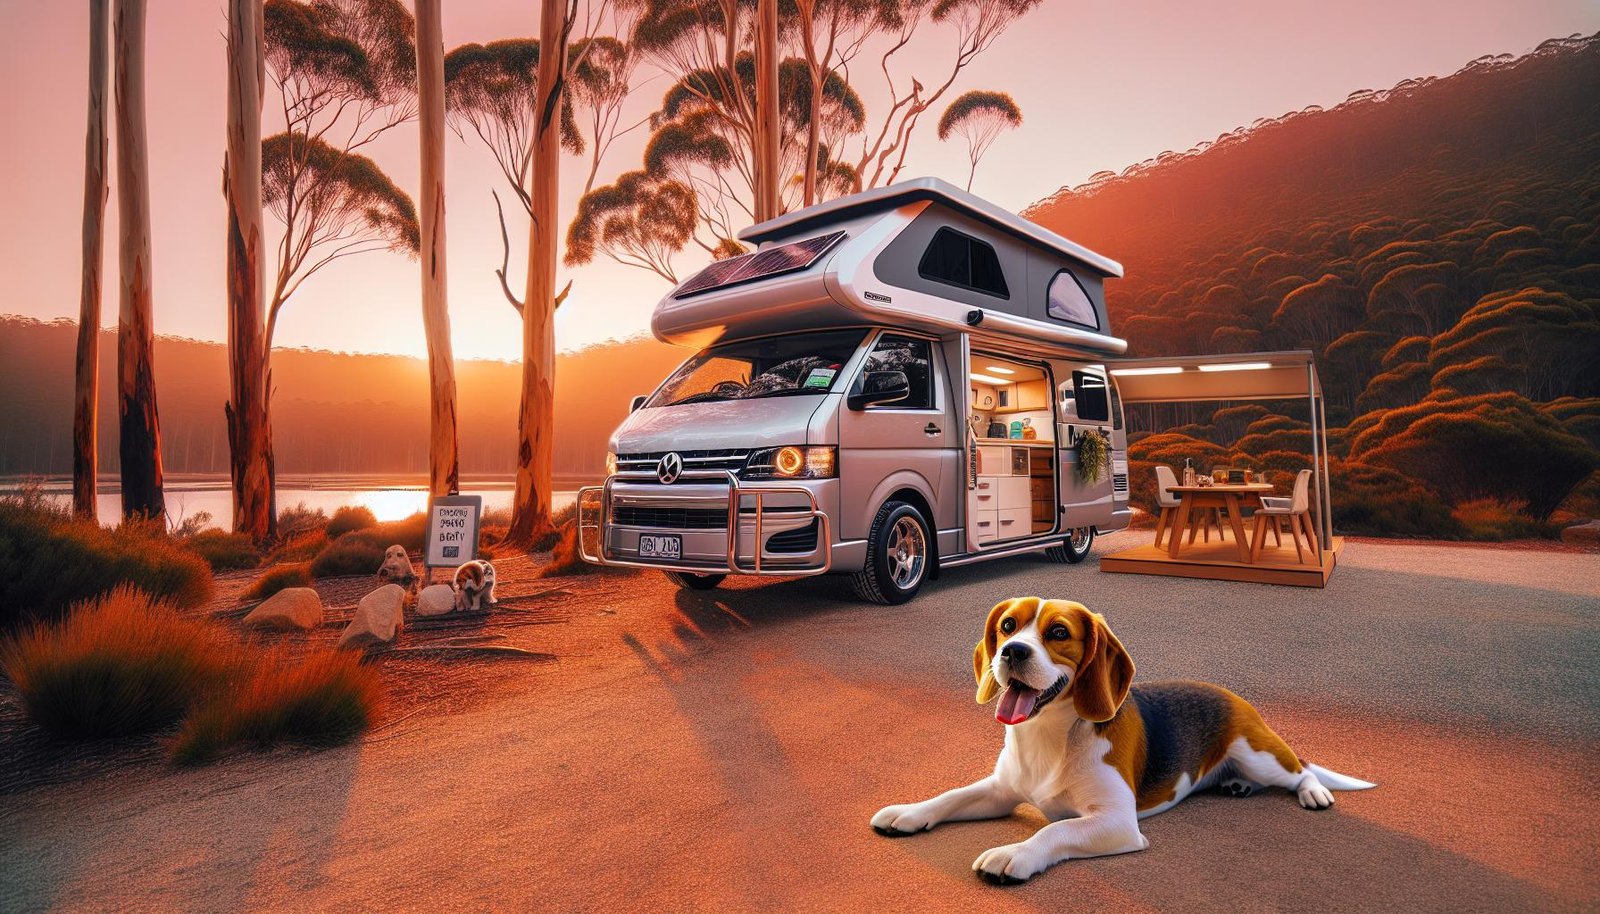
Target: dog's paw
[[1237, 787], [900, 821], [1009, 864], [1313, 795]]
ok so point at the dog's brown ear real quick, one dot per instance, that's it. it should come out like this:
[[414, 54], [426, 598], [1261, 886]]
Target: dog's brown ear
[[1102, 680], [983, 654]]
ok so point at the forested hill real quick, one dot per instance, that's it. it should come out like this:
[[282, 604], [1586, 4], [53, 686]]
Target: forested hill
[[333, 412], [1437, 244]]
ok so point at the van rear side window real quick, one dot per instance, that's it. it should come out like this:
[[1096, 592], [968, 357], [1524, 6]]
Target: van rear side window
[[1069, 302], [962, 260]]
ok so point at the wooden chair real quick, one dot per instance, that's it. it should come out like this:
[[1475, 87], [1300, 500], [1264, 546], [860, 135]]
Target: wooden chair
[[1167, 501], [1297, 510]]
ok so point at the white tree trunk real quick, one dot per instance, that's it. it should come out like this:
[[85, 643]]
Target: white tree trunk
[[530, 510], [85, 407], [768, 180], [444, 470], [249, 436], [140, 444]]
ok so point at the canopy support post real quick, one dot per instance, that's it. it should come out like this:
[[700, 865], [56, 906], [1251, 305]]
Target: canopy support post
[[1327, 497]]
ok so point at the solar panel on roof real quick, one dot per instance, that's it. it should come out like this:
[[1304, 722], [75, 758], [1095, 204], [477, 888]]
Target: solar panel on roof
[[786, 258]]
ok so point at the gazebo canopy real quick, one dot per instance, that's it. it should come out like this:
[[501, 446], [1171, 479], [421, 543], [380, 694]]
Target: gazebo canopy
[[1235, 376]]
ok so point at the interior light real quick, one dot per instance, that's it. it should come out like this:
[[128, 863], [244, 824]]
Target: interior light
[[1163, 369], [987, 379], [1237, 366], [998, 370]]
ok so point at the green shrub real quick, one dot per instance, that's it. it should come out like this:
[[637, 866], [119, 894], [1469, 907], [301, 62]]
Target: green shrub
[[300, 520], [49, 561], [302, 547], [348, 518], [1492, 519], [279, 577], [1384, 502], [120, 664], [326, 699], [222, 550], [359, 552]]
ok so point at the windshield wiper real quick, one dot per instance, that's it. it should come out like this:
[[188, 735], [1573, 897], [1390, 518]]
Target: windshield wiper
[[785, 392], [703, 397]]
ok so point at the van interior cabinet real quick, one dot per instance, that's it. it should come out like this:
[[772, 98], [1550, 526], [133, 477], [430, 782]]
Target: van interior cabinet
[[1003, 501]]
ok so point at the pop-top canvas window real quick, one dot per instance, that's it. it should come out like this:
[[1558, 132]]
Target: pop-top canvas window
[[961, 260], [1069, 302]]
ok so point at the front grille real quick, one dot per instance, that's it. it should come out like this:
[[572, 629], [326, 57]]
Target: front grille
[[723, 459], [801, 540], [670, 518]]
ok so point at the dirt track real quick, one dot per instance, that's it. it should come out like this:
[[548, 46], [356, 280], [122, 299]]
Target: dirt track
[[724, 752]]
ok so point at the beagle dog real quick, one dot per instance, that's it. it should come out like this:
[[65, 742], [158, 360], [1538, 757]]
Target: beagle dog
[[474, 585], [1095, 753]]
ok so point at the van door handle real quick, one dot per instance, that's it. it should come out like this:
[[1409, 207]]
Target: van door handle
[[930, 429]]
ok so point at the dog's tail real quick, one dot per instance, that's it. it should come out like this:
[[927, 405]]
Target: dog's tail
[[1333, 780]]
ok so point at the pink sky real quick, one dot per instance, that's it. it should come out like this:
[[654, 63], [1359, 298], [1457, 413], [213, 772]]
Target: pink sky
[[1101, 85]]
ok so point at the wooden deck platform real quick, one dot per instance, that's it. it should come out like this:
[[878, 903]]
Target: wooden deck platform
[[1218, 560]]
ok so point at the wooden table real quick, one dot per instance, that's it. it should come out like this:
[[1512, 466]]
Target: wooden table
[[1228, 497]]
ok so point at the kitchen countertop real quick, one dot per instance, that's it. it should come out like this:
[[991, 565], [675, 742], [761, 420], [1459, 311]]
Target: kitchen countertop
[[1019, 442]]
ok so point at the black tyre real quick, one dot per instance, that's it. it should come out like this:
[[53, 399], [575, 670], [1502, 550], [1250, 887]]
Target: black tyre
[[1075, 548], [691, 581], [899, 555]]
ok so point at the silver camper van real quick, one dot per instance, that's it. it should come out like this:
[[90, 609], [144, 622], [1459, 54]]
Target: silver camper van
[[895, 382]]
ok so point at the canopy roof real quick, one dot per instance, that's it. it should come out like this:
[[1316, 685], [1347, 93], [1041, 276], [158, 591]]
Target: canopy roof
[[821, 216], [1235, 376]]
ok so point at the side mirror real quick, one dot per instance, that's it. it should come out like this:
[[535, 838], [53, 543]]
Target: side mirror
[[879, 387], [637, 402]]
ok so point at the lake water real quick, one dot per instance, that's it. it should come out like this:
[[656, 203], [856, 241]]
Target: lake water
[[387, 497]]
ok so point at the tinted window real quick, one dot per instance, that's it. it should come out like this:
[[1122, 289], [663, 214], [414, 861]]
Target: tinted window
[[912, 356], [961, 260], [798, 364], [1069, 302], [1089, 395]]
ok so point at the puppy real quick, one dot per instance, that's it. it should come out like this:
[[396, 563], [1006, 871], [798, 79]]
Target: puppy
[[474, 585], [1094, 753], [396, 567]]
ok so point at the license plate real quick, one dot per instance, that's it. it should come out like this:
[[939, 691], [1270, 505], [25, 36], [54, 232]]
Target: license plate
[[660, 547]]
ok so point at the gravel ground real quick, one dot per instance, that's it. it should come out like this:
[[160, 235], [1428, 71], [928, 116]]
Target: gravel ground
[[723, 751]]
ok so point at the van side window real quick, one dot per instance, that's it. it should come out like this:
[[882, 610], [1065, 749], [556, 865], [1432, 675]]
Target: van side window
[[1069, 302], [962, 260], [912, 356]]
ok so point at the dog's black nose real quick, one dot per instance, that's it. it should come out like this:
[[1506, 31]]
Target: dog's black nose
[[1016, 653]]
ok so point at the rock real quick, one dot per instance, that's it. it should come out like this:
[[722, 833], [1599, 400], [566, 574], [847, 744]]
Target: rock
[[293, 608], [396, 566], [436, 600], [1586, 534], [378, 619]]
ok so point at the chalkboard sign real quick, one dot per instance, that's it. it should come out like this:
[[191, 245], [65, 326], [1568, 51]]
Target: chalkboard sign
[[452, 536]]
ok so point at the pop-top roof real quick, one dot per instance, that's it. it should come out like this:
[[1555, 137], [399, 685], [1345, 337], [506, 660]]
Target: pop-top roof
[[822, 215]]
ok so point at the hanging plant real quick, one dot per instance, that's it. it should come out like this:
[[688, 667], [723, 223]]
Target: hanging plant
[[1094, 455]]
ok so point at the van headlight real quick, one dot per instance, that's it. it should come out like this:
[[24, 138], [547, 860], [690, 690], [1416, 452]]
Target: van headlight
[[792, 462], [611, 463]]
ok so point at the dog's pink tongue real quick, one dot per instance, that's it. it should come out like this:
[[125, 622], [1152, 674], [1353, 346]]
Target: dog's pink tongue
[[1016, 703]]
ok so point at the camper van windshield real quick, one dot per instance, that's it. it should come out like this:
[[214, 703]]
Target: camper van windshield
[[777, 366]]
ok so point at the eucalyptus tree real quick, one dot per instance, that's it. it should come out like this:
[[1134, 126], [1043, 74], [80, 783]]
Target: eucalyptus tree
[[86, 370], [639, 220], [978, 117], [139, 427], [444, 465], [249, 435], [975, 25], [700, 140], [831, 33]]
